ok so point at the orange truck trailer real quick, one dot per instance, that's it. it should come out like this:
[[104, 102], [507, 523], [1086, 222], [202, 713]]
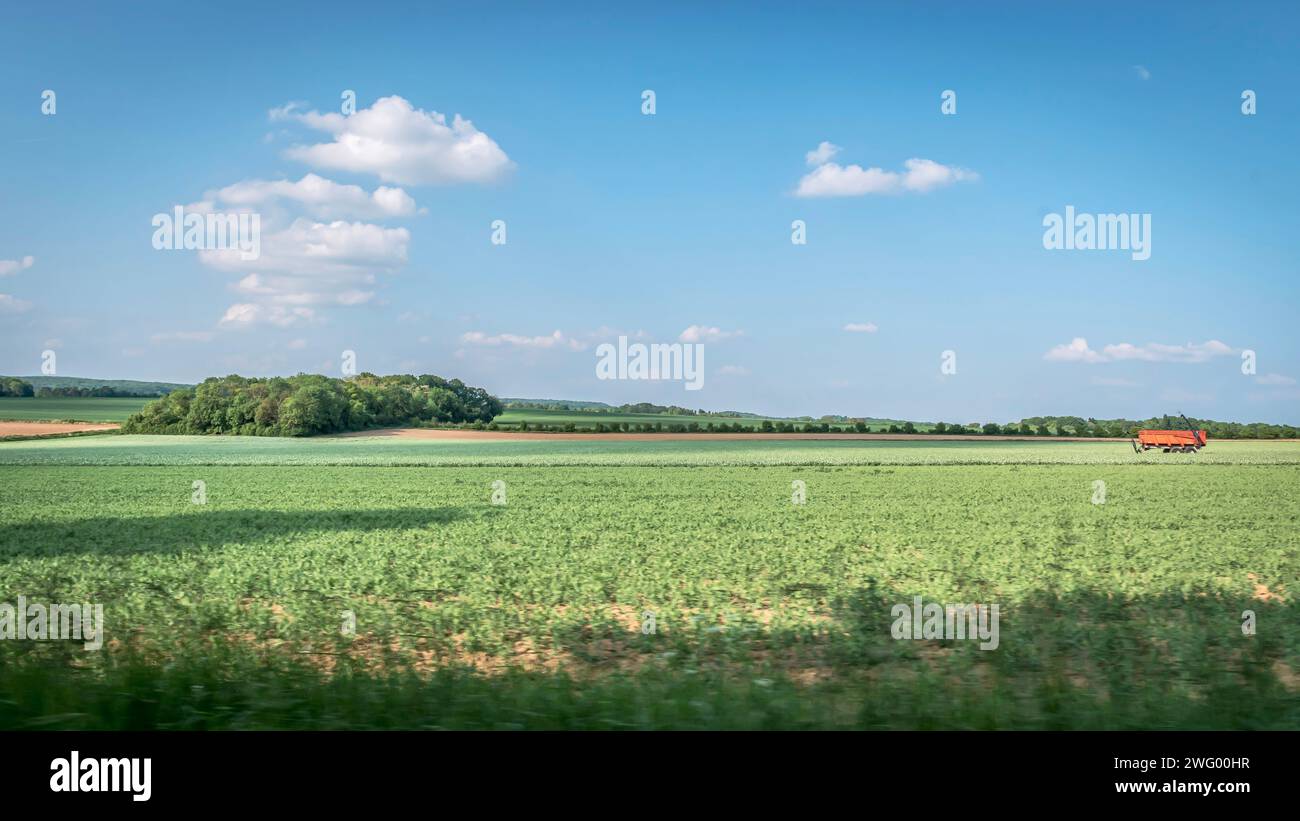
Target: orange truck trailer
[[1189, 440]]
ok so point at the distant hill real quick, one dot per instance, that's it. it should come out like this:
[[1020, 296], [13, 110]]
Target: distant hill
[[132, 386], [557, 404]]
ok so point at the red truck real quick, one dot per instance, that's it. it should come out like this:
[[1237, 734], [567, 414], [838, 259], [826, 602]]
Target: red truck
[[1176, 441]]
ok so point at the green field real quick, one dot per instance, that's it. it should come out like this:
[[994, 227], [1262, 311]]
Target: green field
[[379, 451], [768, 614], [64, 409]]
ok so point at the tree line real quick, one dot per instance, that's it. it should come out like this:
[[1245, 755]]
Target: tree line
[[74, 392], [1127, 428], [310, 404], [1033, 426], [638, 407], [13, 386]]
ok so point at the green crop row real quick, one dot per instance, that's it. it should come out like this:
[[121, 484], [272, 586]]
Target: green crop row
[[1118, 609], [386, 451]]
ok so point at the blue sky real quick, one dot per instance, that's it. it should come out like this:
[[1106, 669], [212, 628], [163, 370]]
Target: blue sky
[[650, 225]]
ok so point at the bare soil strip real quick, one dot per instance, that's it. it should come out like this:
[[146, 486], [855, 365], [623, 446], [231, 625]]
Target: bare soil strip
[[483, 435], [8, 429]]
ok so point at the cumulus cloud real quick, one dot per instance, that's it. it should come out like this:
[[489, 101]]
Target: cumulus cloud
[[400, 143], [555, 340], [248, 314], [12, 305], [861, 327], [1077, 350], [319, 197], [314, 263], [830, 179], [13, 266], [318, 249], [821, 154], [704, 333]]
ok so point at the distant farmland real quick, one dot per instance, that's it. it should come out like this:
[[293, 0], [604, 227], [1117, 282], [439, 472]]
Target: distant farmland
[[66, 409], [329, 582], [587, 420]]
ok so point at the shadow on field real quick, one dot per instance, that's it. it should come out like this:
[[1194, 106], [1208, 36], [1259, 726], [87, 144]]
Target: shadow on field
[[1080, 660], [203, 529]]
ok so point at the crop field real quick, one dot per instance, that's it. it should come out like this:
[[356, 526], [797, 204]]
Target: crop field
[[333, 583], [69, 409], [381, 451]]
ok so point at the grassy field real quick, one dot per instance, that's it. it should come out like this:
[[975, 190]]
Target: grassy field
[[767, 613], [65, 409], [381, 451]]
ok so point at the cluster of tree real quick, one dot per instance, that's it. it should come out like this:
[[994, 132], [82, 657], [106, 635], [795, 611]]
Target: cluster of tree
[[308, 404], [555, 404], [13, 386], [101, 390], [765, 426], [639, 407], [1033, 426], [1119, 428]]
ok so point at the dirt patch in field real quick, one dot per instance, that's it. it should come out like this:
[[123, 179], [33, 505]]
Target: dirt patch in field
[[1261, 591], [27, 429], [484, 435]]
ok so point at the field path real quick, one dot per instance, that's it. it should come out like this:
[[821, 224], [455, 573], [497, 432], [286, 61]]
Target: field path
[[10, 429], [483, 435]]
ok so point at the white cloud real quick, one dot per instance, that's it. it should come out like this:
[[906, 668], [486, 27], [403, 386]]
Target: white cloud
[[704, 333], [182, 336], [1078, 351], [861, 327], [13, 266], [319, 197], [822, 153], [1142, 72], [248, 314], [555, 340], [296, 344], [1275, 380], [314, 263], [399, 143], [831, 179], [53, 344], [321, 250], [733, 370], [1156, 352], [12, 305]]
